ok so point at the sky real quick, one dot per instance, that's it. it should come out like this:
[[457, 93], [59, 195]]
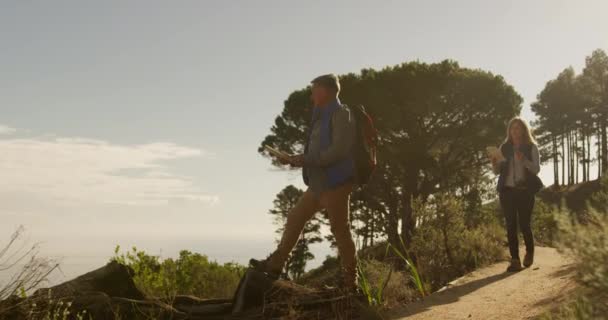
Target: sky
[[137, 123]]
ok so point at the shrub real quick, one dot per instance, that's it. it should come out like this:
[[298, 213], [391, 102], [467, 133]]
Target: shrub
[[189, 274], [599, 199], [386, 286], [325, 274], [544, 223], [445, 248], [588, 244], [29, 270]]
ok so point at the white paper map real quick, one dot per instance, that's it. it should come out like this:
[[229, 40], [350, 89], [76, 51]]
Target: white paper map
[[276, 153], [495, 153]]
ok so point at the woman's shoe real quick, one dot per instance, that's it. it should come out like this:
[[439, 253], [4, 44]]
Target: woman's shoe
[[528, 259], [515, 266]]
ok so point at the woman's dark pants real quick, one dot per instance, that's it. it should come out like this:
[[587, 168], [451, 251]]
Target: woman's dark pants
[[517, 205]]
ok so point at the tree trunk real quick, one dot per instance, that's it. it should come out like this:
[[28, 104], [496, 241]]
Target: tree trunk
[[407, 218], [599, 152], [555, 161], [392, 224], [573, 156], [577, 154], [563, 160], [588, 156], [568, 156], [448, 252], [372, 231], [604, 145], [584, 161]]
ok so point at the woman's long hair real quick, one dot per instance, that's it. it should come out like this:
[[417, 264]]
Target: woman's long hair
[[527, 132]]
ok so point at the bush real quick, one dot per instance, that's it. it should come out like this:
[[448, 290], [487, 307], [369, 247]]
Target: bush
[[586, 242], [324, 275], [445, 248], [387, 287], [481, 246], [544, 223], [579, 308], [190, 274], [599, 199]]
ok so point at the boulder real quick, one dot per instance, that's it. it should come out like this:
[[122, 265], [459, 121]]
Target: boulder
[[113, 279]]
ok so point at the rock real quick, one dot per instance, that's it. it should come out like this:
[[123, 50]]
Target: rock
[[113, 279], [106, 293]]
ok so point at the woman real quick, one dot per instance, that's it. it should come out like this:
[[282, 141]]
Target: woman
[[517, 185]]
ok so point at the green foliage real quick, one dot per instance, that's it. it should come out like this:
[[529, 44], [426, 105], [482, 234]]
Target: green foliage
[[480, 247], [445, 247], [367, 221], [374, 292], [580, 308], [373, 295], [383, 285], [599, 199], [326, 274], [51, 309], [584, 238], [586, 242], [571, 110], [373, 279], [411, 267], [544, 223], [189, 274], [58, 311]]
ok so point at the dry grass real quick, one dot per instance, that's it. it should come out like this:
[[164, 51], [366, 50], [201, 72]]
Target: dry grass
[[26, 270]]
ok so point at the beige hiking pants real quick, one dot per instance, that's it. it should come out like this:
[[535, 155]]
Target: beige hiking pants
[[336, 202]]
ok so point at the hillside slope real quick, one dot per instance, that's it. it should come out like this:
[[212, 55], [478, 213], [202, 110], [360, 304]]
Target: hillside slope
[[575, 196]]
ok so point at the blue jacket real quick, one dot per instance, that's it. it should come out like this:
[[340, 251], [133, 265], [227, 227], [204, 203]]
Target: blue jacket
[[334, 158]]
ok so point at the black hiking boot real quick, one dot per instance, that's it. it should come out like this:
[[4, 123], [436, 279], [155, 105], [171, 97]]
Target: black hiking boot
[[529, 259], [262, 266], [515, 266]]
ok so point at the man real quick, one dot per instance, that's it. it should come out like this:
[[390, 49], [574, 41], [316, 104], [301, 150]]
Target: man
[[328, 170]]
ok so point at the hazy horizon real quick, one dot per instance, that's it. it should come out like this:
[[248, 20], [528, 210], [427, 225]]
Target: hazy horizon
[[138, 125]]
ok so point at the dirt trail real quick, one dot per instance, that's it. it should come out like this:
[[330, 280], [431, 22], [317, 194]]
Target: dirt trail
[[490, 293]]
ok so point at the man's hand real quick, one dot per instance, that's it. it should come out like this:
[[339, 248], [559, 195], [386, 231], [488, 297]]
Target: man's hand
[[294, 161]]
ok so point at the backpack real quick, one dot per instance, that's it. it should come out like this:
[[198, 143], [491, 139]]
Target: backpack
[[366, 140]]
